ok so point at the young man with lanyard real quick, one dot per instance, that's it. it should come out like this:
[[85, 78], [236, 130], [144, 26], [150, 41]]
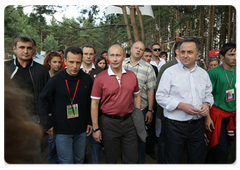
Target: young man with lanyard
[[69, 92], [220, 122], [118, 91]]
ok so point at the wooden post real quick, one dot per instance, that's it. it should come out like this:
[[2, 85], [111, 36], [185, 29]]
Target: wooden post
[[141, 23], [127, 23], [134, 23]]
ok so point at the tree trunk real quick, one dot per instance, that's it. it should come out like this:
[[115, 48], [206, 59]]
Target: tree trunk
[[141, 23], [134, 23], [209, 34], [127, 23], [229, 23], [159, 26], [234, 26]]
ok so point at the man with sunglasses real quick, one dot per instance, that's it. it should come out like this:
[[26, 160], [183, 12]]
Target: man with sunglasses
[[156, 60]]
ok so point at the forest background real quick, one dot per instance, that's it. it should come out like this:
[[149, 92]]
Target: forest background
[[213, 25]]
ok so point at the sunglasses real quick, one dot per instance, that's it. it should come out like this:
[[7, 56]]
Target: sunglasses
[[53, 52], [157, 49]]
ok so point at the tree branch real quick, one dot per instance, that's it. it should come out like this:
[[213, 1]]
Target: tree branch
[[85, 28], [17, 7]]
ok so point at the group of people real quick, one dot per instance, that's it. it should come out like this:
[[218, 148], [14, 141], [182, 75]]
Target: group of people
[[75, 97]]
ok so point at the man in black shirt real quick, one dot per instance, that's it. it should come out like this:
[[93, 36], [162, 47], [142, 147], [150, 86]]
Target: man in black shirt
[[29, 75], [69, 92]]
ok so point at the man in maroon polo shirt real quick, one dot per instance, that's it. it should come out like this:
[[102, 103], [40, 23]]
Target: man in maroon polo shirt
[[118, 91]]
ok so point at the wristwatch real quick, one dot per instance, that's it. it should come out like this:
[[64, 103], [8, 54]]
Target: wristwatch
[[95, 130], [151, 111]]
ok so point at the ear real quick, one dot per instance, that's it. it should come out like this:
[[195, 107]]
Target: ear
[[14, 49], [198, 54], [65, 60]]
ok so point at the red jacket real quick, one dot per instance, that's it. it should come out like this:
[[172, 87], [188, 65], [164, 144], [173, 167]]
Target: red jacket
[[217, 114]]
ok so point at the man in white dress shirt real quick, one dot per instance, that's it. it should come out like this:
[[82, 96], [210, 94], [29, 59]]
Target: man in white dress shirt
[[156, 60], [185, 94]]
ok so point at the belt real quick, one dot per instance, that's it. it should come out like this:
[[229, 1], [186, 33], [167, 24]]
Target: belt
[[122, 118], [192, 121]]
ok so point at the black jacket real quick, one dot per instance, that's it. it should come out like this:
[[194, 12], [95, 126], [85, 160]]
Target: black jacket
[[39, 75], [56, 92]]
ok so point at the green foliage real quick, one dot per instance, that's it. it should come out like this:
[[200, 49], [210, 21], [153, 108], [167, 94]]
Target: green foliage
[[50, 44]]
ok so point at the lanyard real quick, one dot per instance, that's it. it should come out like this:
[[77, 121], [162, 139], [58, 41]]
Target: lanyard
[[72, 99], [229, 84]]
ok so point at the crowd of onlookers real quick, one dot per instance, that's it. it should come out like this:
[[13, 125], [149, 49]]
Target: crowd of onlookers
[[183, 104]]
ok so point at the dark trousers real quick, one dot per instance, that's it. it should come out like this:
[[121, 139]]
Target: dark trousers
[[151, 139], [181, 135], [220, 152], [119, 137], [161, 144]]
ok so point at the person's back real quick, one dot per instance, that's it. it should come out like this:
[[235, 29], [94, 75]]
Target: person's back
[[22, 137]]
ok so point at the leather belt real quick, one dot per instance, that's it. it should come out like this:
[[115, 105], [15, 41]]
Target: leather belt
[[192, 121], [122, 118]]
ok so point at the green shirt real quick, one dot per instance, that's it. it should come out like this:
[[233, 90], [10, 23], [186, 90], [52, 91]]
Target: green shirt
[[220, 86]]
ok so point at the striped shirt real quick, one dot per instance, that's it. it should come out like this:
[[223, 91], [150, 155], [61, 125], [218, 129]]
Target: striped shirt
[[146, 78]]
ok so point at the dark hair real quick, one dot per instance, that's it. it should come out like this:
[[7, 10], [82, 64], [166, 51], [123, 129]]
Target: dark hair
[[61, 51], [22, 140], [104, 52], [100, 58], [176, 46], [148, 50], [191, 39], [155, 44], [49, 57], [34, 42], [162, 53], [226, 47], [89, 46], [22, 39], [74, 50]]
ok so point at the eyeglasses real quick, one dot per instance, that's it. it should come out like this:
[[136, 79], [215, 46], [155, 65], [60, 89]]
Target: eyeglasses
[[157, 49]]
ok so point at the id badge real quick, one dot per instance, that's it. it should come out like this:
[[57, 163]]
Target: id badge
[[230, 95], [72, 111]]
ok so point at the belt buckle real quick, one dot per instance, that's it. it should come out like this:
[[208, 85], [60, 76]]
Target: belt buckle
[[122, 118]]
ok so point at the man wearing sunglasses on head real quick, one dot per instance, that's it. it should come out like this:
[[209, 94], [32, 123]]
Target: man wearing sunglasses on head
[[156, 60]]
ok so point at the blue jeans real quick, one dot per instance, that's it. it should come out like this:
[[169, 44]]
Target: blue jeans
[[95, 150], [52, 157], [71, 148]]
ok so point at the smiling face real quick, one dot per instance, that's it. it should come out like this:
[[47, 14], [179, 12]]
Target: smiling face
[[188, 54], [73, 63]]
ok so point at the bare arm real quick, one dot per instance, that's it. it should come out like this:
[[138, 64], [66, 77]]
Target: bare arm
[[94, 114], [137, 101], [149, 115]]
